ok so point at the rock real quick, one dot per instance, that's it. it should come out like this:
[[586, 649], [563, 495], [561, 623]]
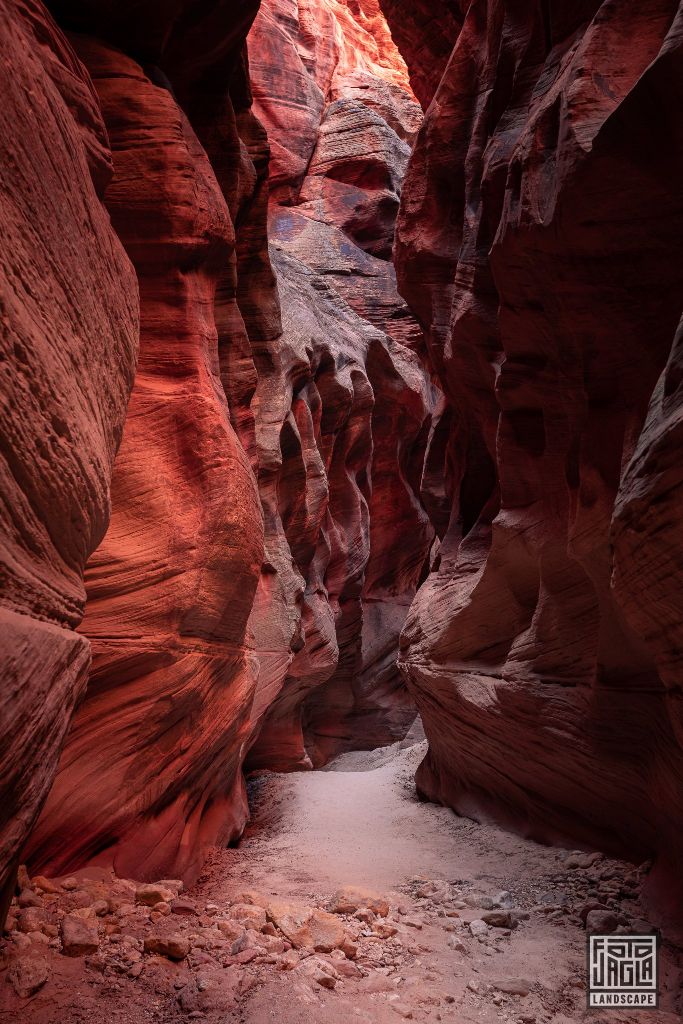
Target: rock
[[79, 936], [217, 990], [173, 947], [245, 956], [202, 559], [31, 919], [334, 178], [153, 893], [347, 969], [86, 913], [403, 1010], [349, 900], [517, 916], [28, 975], [28, 898], [46, 885], [514, 986], [288, 961], [229, 928], [479, 901], [249, 915], [241, 943], [384, 930], [499, 919], [531, 219], [602, 922], [100, 908], [306, 927], [323, 979], [175, 884], [474, 986], [478, 929], [349, 947], [70, 884], [590, 906], [67, 350], [270, 943], [457, 944], [582, 860], [183, 907], [379, 983]]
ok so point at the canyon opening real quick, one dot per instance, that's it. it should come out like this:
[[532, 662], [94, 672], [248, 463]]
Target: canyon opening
[[341, 519]]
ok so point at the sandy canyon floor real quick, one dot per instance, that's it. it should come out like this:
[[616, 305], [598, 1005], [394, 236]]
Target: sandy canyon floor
[[237, 946]]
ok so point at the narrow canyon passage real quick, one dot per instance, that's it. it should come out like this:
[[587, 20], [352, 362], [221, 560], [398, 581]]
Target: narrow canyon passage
[[341, 534]]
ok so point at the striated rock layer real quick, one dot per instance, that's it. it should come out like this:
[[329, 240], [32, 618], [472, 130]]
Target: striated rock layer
[[343, 405], [69, 309], [539, 245], [151, 772], [271, 456]]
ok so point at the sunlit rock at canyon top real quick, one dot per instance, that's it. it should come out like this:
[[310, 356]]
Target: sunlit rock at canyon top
[[341, 381]]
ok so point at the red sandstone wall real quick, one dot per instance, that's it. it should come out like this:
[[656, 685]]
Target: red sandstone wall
[[347, 404], [539, 244], [151, 772], [271, 455], [69, 310]]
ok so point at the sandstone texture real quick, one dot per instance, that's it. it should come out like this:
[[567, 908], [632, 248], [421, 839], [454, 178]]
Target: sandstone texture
[[151, 772], [267, 534], [69, 311], [343, 404], [538, 244]]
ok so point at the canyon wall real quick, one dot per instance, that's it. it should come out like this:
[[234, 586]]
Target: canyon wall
[[69, 308], [151, 771], [266, 534], [539, 245], [349, 408]]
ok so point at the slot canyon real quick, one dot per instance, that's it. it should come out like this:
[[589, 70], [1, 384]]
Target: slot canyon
[[341, 375]]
